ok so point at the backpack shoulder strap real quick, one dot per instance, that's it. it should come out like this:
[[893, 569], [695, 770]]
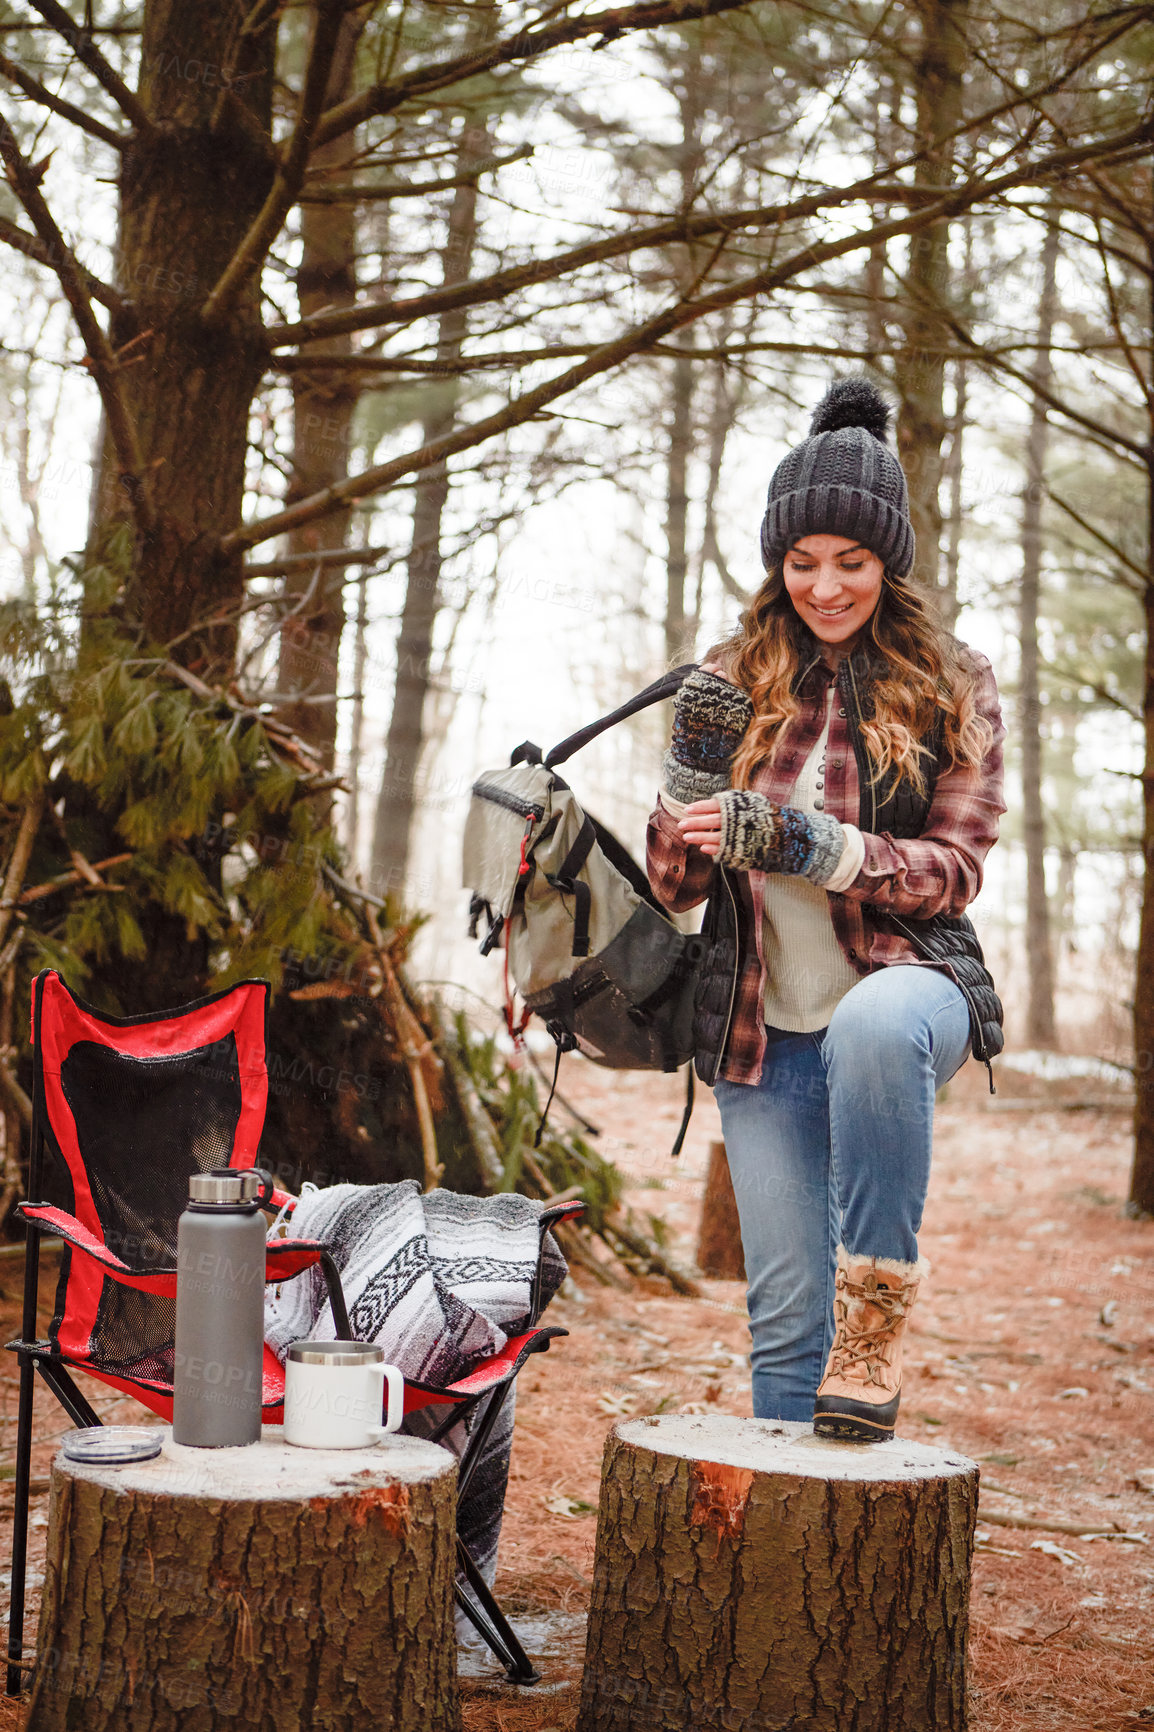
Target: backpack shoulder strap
[[653, 694]]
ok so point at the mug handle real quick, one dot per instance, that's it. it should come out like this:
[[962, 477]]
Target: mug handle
[[396, 1407]]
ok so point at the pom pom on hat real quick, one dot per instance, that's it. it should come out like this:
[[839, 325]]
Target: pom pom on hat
[[855, 402]]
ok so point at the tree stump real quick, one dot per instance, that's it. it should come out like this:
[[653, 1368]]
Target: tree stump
[[751, 1575], [267, 1588], [719, 1252]]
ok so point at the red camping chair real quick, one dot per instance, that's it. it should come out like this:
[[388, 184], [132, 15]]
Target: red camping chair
[[128, 1108]]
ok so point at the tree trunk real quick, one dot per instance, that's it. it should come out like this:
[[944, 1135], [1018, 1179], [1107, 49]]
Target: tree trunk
[[1142, 1173], [691, 97], [719, 1252], [886, 120], [189, 190], [1039, 957], [397, 797], [750, 1574], [266, 1587], [948, 605], [324, 408], [357, 726], [677, 507], [920, 368]]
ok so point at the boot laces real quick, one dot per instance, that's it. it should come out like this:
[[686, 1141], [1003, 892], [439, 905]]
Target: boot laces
[[867, 1346]]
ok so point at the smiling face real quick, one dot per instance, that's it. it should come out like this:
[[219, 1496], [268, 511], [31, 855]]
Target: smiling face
[[834, 584]]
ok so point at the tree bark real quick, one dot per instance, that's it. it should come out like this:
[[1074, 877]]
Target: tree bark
[[719, 1252], [1039, 955], [324, 408], [920, 368], [189, 188], [1142, 1172], [689, 86], [677, 507], [948, 603], [750, 1574], [264, 1587], [357, 724]]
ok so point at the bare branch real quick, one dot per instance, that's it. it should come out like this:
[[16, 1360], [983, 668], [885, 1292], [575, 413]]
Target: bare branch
[[1109, 437], [337, 556], [479, 290], [643, 337], [527, 44], [78, 875], [1099, 535], [1101, 692], [33, 248], [81, 42], [245, 47], [683, 229], [498, 359], [68, 111], [18, 864], [101, 356], [450, 367], [283, 193], [1145, 382], [349, 193]]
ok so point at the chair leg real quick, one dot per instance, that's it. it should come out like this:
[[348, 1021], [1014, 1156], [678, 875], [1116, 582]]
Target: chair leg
[[20, 1525], [74, 1404], [479, 1436], [80, 1413], [490, 1622]]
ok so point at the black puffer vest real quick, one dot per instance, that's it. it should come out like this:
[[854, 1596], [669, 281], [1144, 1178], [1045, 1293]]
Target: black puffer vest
[[942, 938]]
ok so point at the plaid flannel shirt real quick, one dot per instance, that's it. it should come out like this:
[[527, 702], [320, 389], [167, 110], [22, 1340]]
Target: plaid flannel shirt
[[937, 872]]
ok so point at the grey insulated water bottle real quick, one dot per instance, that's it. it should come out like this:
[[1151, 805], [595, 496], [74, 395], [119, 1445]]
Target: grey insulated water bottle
[[220, 1257]]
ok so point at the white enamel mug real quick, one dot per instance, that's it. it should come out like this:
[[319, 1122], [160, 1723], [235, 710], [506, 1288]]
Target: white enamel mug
[[333, 1394]]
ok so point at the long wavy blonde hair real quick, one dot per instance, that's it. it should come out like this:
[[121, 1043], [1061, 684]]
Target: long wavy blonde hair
[[919, 676]]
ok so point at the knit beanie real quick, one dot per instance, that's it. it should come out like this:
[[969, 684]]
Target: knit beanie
[[842, 480]]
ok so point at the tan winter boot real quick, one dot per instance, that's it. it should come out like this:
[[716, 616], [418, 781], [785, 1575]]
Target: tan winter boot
[[858, 1396]]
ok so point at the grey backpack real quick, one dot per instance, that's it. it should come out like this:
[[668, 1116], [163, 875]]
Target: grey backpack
[[587, 944]]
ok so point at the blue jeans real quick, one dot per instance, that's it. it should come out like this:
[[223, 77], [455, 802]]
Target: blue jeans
[[832, 1145]]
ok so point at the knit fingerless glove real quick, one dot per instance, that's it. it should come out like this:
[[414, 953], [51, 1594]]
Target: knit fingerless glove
[[710, 716], [756, 832]]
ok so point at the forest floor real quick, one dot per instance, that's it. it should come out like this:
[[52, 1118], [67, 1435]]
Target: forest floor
[[1032, 1350]]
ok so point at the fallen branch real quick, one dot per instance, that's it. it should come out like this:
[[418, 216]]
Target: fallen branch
[[416, 1048], [478, 1124], [651, 1256], [1054, 1525]]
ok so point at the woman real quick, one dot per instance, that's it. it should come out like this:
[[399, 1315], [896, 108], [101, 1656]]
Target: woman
[[839, 759]]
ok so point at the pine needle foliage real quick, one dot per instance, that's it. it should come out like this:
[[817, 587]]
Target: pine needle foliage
[[215, 807]]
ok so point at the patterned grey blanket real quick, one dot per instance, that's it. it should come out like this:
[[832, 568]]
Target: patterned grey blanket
[[441, 1281]]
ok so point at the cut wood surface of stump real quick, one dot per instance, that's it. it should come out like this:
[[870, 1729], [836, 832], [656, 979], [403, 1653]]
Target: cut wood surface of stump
[[267, 1588], [751, 1577]]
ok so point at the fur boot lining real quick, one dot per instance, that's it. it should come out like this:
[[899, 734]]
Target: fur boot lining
[[886, 1265]]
